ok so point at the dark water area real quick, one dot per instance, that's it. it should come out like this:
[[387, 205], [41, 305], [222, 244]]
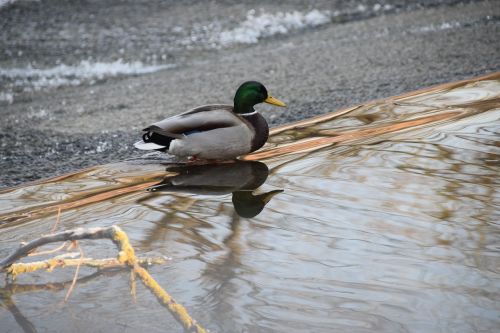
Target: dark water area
[[79, 79], [378, 218]]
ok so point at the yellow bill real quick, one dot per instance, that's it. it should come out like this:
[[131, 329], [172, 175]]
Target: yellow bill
[[266, 197], [274, 101]]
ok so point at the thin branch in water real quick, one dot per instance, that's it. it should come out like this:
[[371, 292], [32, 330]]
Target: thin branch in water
[[133, 288], [72, 245], [76, 274], [41, 253], [69, 235], [14, 288], [126, 255], [35, 253], [53, 229]]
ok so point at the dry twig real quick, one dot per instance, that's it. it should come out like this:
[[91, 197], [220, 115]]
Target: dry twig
[[41, 253], [133, 289], [57, 220], [76, 274]]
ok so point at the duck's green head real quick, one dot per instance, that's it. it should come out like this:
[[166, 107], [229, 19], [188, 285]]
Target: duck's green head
[[251, 93]]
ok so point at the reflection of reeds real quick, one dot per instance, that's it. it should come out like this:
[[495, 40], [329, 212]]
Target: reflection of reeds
[[18, 217], [310, 135], [126, 256], [315, 143]]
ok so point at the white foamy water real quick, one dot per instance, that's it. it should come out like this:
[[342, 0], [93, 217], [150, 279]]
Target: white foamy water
[[253, 28], [6, 97], [438, 27], [30, 78], [266, 25], [84, 70], [4, 3]]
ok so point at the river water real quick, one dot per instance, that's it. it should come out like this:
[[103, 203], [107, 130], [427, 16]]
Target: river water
[[378, 218]]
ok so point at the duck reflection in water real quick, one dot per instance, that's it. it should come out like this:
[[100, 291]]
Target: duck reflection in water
[[240, 178]]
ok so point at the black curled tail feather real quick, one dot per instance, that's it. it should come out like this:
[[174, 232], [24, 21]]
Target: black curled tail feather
[[158, 139]]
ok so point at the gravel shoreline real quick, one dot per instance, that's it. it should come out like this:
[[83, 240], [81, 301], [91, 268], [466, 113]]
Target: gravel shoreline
[[315, 70]]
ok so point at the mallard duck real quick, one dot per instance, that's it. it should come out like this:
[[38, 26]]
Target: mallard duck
[[214, 132]]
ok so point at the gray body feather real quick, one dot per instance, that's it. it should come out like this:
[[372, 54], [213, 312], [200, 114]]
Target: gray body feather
[[213, 132]]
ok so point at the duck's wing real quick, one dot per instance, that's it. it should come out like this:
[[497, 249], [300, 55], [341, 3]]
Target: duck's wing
[[203, 118]]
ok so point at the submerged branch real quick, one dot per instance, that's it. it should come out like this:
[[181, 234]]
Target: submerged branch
[[126, 256], [10, 305]]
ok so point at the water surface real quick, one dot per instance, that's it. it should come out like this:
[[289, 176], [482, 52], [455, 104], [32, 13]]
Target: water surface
[[383, 217]]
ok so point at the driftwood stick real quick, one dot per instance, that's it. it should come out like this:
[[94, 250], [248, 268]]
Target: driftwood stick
[[126, 256], [71, 235]]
